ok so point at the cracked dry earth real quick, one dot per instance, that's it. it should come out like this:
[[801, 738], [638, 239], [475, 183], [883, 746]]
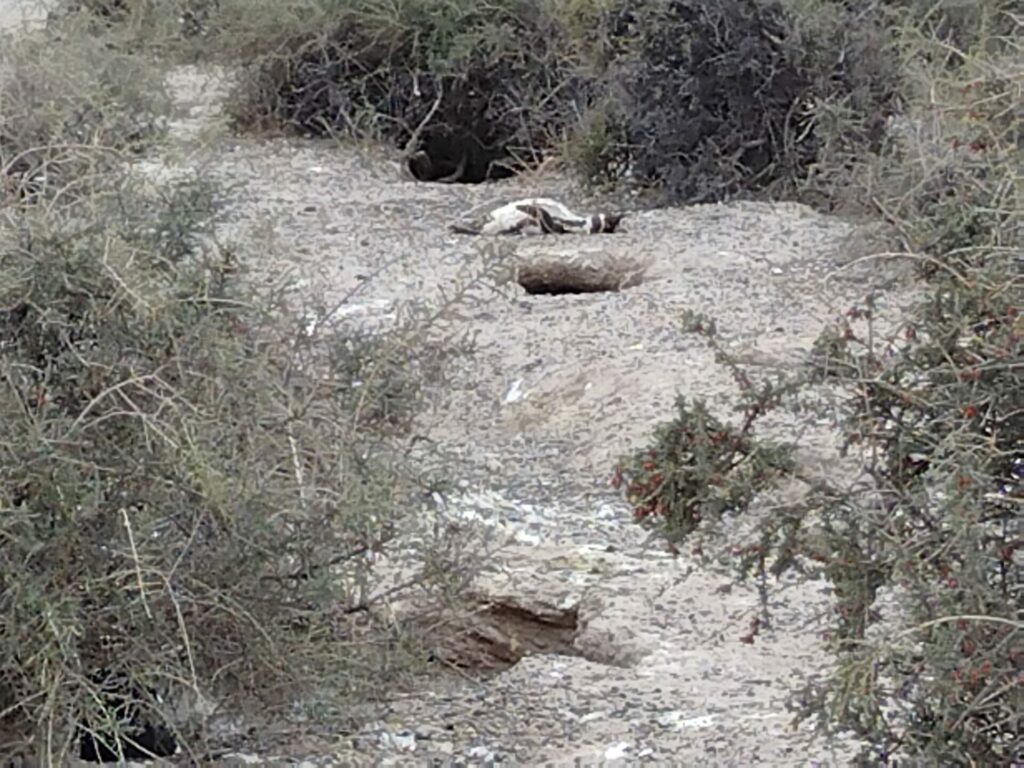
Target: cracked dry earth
[[652, 667]]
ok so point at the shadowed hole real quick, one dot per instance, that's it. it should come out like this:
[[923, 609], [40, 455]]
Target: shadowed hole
[[496, 635], [555, 279]]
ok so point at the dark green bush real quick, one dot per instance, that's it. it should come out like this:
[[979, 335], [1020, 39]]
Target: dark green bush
[[191, 487], [698, 468], [478, 90], [710, 100], [702, 100], [927, 561]]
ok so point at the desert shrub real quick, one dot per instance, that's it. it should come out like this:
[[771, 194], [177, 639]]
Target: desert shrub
[[926, 562], [478, 90], [69, 106], [698, 468], [708, 100], [138, 24], [851, 173], [192, 497], [936, 407]]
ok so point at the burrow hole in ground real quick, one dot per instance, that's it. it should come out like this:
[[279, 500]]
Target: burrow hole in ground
[[493, 637], [559, 279]]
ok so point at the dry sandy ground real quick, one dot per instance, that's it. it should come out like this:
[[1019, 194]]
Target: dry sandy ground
[[557, 389], [13, 13]]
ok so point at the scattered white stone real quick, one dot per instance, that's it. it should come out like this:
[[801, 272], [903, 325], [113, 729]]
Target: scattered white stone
[[480, 752], [515, 392], [244, 757], [617, 751], [669, 719], [404, 741], [523, 537], [762, 716], [704, 721]]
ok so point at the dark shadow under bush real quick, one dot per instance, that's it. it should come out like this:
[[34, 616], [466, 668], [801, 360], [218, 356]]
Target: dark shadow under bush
[[468, 92], [708, 100]]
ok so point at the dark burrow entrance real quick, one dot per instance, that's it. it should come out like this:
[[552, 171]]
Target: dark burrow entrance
[[495, 635], [141, 735], [555, 279], [460, 156]]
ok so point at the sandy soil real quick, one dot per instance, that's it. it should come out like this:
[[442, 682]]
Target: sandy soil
[[14, 13], [662, 674]]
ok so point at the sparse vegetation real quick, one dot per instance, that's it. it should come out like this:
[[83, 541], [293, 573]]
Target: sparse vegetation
[[191, 483], [926, 562], [70, 110], [195, 484]]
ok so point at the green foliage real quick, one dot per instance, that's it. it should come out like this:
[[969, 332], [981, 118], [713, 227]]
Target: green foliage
[[191, 484], [183, 501], [938, 406], [707, 101], [185, 496], [936, 409], [699, 468], [69, 105], [195, 483], [480, 89], [926, 563]]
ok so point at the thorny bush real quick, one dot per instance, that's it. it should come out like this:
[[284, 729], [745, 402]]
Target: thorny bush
[[468, 90], [698, 467], [702, 100], [69, 107], [926, 563], [191, 493], [710, 100]]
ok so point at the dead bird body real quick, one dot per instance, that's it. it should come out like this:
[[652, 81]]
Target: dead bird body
[[538, 215]]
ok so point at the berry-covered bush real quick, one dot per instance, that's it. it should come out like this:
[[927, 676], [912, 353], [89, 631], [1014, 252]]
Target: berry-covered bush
[[927, 561]]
